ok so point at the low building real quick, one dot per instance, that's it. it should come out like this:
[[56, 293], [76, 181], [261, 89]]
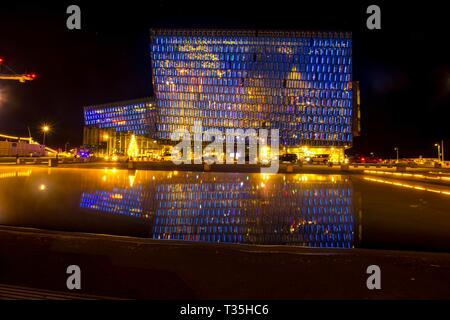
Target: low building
[[13, 146]]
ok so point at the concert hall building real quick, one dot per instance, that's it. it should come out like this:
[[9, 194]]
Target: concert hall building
[[298, 82]]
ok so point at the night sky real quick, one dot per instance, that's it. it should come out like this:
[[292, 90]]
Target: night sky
[[403, 68]]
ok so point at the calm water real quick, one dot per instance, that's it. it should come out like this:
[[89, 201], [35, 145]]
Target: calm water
[[311, 210]]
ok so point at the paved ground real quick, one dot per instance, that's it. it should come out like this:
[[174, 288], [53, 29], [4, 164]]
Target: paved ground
[[168, 165], [139, 268], [8, 292], [428, 175]]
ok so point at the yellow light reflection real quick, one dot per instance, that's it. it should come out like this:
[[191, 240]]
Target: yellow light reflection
[[408, 175], [14, 174], [409, 186], [131, 180]]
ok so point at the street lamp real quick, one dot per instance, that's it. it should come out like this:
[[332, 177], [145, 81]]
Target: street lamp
[[442, 151], [439, 151], [45, 128], [396, 149], [106, 138]]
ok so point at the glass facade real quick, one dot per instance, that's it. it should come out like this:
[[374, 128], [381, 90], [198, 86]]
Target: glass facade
[[137, 116], [298, 82], [109, 127]]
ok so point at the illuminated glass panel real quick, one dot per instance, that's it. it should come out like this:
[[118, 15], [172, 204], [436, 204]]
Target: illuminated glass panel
[[298, 82], [137, 116]]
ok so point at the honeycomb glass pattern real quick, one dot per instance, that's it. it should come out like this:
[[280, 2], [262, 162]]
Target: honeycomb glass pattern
[[298, 82], [132, 116]]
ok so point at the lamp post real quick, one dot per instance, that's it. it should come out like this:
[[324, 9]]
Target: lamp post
[[45, 129], [106, 138], [439, 151], [442, 151], [396, 149]]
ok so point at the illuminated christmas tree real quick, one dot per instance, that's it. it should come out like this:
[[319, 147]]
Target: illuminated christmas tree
[[133, 149]]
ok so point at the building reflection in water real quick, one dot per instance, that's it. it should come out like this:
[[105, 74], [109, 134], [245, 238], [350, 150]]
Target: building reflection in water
[[118, 201], [308, 210]]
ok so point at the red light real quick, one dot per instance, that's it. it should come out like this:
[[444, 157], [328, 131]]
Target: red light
[[33, 75], [363, 159], [1, 60]]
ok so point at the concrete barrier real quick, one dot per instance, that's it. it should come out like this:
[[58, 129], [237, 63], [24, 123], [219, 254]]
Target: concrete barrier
[[53, 162], [345, 167], [290, 168], [131, 165], [206, 167]]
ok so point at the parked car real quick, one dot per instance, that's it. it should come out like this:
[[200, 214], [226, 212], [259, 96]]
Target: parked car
[[318, 159], [167, 156], [289, 158]]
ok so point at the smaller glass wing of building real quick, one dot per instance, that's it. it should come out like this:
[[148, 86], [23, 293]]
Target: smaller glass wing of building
[[109, 127], [126, 116]]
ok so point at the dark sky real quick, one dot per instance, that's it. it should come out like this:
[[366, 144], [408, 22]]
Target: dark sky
[[403, 68]]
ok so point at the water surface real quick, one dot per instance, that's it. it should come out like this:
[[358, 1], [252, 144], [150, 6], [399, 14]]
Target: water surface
[[328, 211]]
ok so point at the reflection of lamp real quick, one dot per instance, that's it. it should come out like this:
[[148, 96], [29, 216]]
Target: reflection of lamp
[[131, 178]]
